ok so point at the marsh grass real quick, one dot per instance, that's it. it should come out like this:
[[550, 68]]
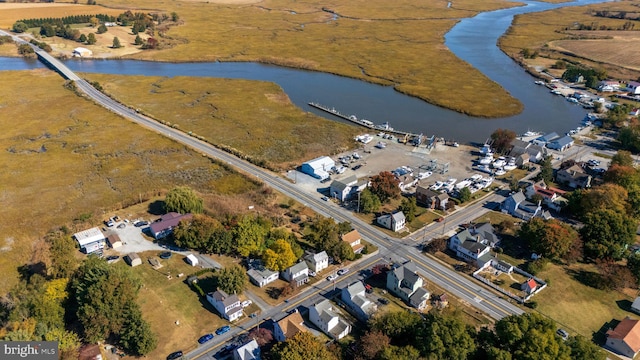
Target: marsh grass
[[63, 156], [255, 118]]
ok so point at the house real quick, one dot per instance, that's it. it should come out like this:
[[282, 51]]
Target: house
[[517, 205], [536, 153], [561, 144], [529, 286], [318, 167], [551, 197], [635, 306], [317, 262], [90, 352], [114, 241], [471, 248], [289, 326], [81, 52], [228, 306], [624, 339], [406, 181], [298, 273], [133, 259], [394, 222], [344, 188], [431, 199], [164, 226], [532, 153], [522, 159], [505, 267], [326, 318], [355, 298], [248, 351], [608, 86], [634, 112], [259, 275], [353, 238], [90, 240], [191, 260], [574, 177], [633, 87], [404, 282], [545, 139]]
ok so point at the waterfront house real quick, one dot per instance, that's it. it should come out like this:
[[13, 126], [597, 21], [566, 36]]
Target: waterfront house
[[608, 86], [574, 177], [326, 318], [228, 306], [298, 273], [624, 339], [354, 239], [404, 282], [356, 301], [317, 262], [545, 139], [394, 222], [561, 144]]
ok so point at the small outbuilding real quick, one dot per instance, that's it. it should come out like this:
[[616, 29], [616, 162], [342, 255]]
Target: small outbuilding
[[133, 259], [191, 260], [114, 241], [90, 240], [82, 52]]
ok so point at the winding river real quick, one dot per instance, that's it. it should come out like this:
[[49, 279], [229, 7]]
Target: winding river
[[473, 40]]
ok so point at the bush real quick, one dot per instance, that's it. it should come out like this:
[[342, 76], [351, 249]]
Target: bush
[[531, 304], [535, 266]]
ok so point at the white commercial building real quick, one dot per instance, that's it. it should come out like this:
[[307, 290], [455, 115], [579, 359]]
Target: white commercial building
[[90, 240], [319, 167]]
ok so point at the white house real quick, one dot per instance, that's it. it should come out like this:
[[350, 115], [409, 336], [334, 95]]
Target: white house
[[343, 188], [289, 326], [228, 306], [90, 240], [260, 275], [633, 87], [394, 222], [298, 273], [317, 262], [318, 167], [355, 298], [248, 351], [608, 86], [404, 282], [625, 338], [471, 247], [326, 318], [191, 260]]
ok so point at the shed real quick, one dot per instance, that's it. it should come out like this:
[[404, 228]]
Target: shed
[[81, 52], [133, 259], [114, 241], [191, 260]]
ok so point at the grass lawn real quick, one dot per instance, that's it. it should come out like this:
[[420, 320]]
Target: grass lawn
[[575, 306], [495, 218]]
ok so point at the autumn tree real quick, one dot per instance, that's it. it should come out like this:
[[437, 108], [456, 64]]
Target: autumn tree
[[302, 346], [94, 21], [102, 29], [445, 337], [261, 335], [183, 199], [342, 251], [502, 139], [604, 197], [249, 235], [369, 202], [371, 345], [325, 234], [629, 137], [435, 245], [607, 234], [91, 39], [622, 158], [232, 280], [279, 256], [552, 239], [385, 186]]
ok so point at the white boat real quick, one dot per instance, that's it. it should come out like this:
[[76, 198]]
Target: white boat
[[476, 177], [355, 155], [451, 181], [486, 149], [455, 144], [509, 167], [556, 92], [366, 122], [381, 145], [486, 160], [437, 186], [484, 168], [486, 182], [539, 82], [424, 175], [530, 133], [500, 172], [475, 188], [500, 162], [572, 100], [463, 184]]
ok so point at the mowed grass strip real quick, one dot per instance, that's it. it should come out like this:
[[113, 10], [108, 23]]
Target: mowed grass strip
[[63, 156], [399, 45], [256, 118]]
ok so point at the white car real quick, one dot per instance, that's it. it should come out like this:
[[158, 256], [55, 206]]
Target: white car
[[312, 273], [246, 303], [332, 277]]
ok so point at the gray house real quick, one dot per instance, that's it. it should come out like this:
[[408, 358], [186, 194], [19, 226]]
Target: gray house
[[394, 222], [405, 283], [355, 298], [343, 189], [298, 273], [517, 205]]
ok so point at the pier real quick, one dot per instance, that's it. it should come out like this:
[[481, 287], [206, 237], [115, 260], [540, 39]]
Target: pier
[[361, 122]]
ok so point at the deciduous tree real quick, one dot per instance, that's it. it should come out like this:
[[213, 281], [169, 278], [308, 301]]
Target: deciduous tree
[[445, 337], [583, 349], [116, 43], [502, 139], [182, 199], [464, 195], [385, 186], [279, 256], [371, 344], [342, 252], [250, 234], [232, 280], [261, 335], [369, 202], [607, 234], [530, 336], [622, 158], [302, 346], [409, 208], [552, 238], [91, 39]]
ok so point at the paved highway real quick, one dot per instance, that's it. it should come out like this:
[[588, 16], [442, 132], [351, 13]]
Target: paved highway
[[459, 285]]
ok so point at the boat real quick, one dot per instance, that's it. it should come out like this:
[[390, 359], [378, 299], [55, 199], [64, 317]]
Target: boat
[[351, 117], [366, 122], [455, 144], [511, 164], [572, 100], [486, 149], [484, 168], [500, 172], [487, 159], [437, 186], [500, 162], [486, 182], [476, 177], [530, 133], [463, 184], [539, 82], [381, 145], [384, 126], [556, 92]]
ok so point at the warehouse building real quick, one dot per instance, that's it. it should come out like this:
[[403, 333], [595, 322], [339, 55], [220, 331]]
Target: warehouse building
[[319, 167]]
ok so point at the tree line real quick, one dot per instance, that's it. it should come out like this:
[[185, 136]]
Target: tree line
[[66, 20]]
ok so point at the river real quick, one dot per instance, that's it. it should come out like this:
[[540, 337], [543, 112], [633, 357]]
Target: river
[[473, 40]]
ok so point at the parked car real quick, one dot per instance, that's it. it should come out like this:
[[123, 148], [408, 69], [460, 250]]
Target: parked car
[[122, 226], [246, 303], [141, 223], [175, 355], [312, 273], [368, 289], [563, 334], [204, 338], [332, 277], [165, 255], [112, 258], [383, 301], [356, 167], [343, 271], [223, 330], [325, 198]]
